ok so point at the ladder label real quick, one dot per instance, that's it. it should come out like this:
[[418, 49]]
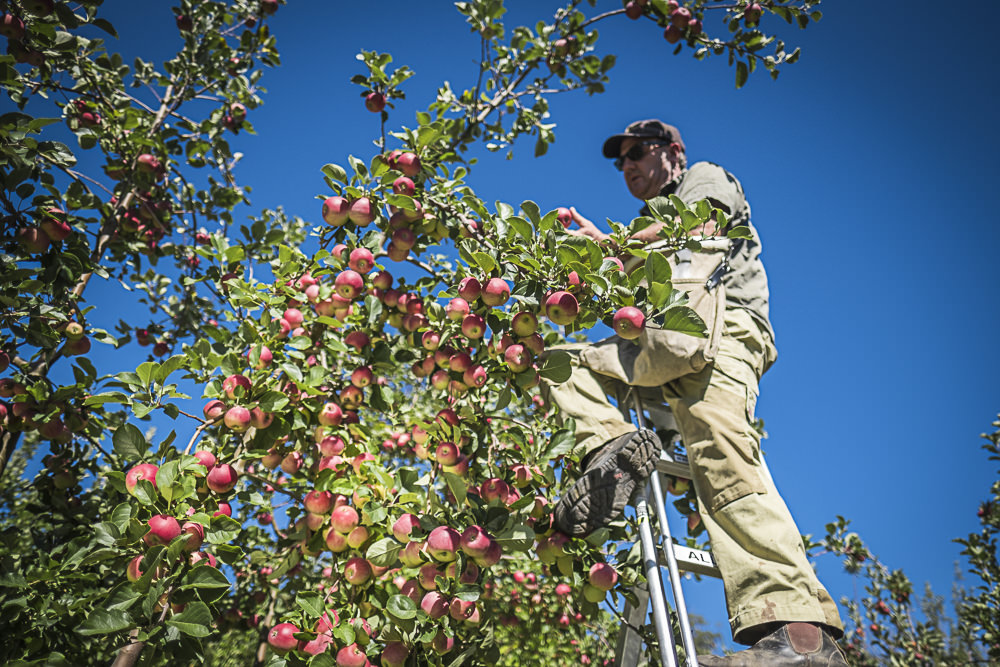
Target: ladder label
[[695, 554]]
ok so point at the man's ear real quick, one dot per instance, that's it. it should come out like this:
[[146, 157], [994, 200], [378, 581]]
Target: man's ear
[[675, 150]]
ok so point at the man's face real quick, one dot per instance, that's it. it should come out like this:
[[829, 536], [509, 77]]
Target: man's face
[[645, 176]]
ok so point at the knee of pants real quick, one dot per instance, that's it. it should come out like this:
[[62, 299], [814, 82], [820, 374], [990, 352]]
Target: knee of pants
[[722, 445]]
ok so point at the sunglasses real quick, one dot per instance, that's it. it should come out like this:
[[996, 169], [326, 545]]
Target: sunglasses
[[636, 153]]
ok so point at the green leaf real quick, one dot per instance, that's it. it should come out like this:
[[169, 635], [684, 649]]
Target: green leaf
[[195, 620], [684, 320], [169, 366], [121, 516], [518, 537], [457, 486], [129, 442], [165, 477], [562, 442], [557, 367], [205, 576], [383, 553], [273, 401], [401, 607], [661, 208], [740, 232], [311, 602], [658, 294], [657, 269], [531, 210], [485, 262], [223, 529], [336, 172], [105, 621], [106, 26], [741, 74], [145, 371]]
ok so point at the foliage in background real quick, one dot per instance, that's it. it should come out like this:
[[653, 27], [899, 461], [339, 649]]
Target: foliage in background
[[889, 625]]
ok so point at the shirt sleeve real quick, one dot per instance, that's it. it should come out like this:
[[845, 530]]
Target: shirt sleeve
[[705, 180]]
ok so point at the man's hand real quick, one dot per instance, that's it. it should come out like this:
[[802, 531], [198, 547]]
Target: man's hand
[[587, 228]]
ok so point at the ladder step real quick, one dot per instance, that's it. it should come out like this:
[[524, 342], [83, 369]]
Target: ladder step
[[674, 465], [693, 560]]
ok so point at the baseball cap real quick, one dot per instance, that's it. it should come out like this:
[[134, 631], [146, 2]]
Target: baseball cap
[[647, 129]]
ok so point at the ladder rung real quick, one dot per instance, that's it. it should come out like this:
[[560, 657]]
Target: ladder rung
[[693, 560], [675, 466]]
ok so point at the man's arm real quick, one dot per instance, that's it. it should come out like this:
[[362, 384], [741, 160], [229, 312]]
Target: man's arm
[[645, 236]]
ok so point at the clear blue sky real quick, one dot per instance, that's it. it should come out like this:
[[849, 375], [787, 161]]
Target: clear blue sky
[[867, 166]]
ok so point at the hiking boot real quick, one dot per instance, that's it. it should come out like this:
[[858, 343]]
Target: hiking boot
[[608, 481], [791, 645]]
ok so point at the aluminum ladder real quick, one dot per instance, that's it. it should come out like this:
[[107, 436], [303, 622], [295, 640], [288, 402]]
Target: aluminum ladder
[[657, 554]]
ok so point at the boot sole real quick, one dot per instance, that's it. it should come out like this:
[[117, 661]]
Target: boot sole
[[601, 494]]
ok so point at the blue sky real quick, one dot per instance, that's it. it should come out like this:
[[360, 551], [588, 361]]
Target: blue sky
[[865, 165]]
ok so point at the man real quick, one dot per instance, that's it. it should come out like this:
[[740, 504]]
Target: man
[[775, 602]]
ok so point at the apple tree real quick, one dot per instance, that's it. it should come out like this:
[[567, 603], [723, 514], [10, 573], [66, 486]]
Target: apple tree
[[367, 474], [891, 625]]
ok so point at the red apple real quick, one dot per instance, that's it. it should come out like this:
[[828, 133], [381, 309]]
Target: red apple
[[473, 326], [563, 214], [475, 541], [404, 186], [11, 27], [375, 102], [330, 414], [362, 377], [442, 543], [633, 9], [628, 322], [237, 419], [475, 376], [348, 284], [361, 212], [672, 34], [361, 260], [282, 637], [357, 571], [196, 535], [562, 307], [55, 226], [394, 654], [146, 471], [344, 519], [409, 164], [496, 292], [404, 526], [236, 386], [434, 604], [162, 529], [518, 358], [469, 289], [680, 17], [260, 419], [352, 655], [205, 458], [318, 502], [603, 576], [222, 478], [336, 211]]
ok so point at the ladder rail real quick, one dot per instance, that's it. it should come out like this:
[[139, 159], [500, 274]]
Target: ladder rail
[[667, 547]]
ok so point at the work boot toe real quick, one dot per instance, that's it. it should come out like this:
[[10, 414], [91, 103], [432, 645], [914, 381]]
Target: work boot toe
[[792, 645]]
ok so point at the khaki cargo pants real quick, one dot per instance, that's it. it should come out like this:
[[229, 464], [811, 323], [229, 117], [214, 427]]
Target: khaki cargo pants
[[754, 539]]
